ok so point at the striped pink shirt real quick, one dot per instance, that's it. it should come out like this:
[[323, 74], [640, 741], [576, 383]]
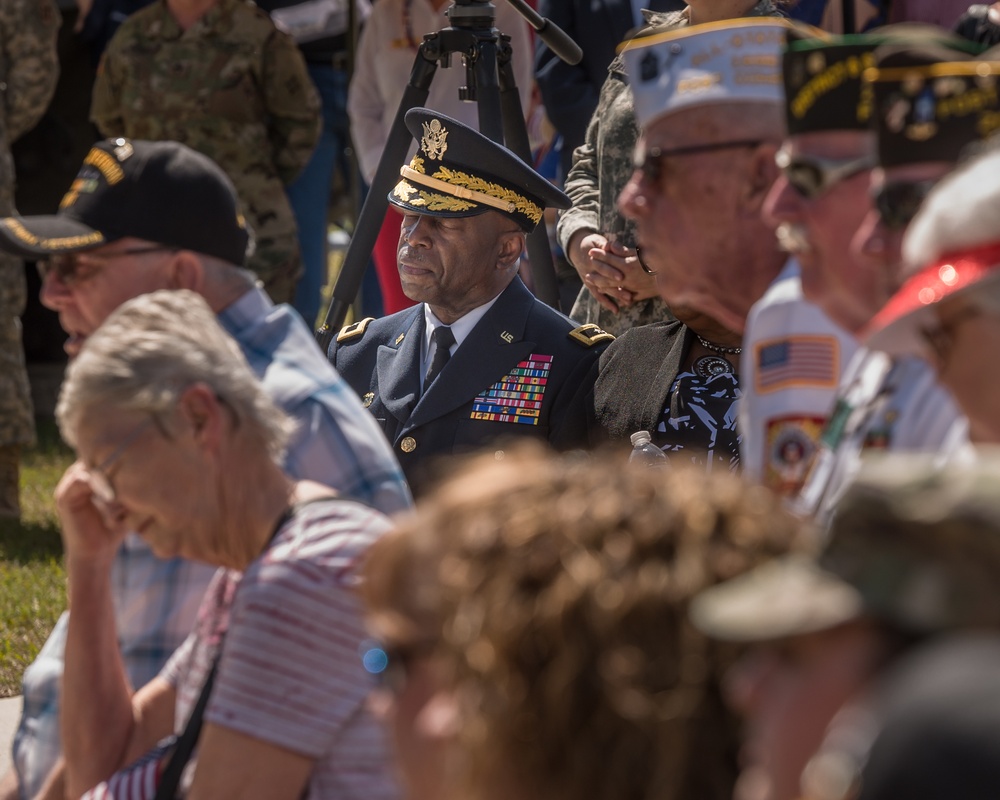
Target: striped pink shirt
[[291, 672]]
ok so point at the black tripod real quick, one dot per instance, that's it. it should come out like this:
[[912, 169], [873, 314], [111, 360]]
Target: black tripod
[[486, 54]]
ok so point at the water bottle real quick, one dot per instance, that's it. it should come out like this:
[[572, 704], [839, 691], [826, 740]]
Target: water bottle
[[645, 453]]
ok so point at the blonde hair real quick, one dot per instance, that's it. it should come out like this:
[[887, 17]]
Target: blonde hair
[[557, 588]]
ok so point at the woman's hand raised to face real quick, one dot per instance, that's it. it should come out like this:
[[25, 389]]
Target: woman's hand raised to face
[[91, 530]]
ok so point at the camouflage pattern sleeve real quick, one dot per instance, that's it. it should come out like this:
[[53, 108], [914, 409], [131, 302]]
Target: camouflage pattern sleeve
[[293, 106], [581, 187], [106, 102], [29, 65]]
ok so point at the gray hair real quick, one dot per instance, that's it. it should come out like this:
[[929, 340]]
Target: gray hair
[[152, 348], [962, 211]]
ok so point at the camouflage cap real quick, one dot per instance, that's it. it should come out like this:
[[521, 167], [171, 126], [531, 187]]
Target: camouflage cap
[[459, 172], [913, 543], [163, 192]]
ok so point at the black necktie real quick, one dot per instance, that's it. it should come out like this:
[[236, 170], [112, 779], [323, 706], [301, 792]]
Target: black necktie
[[443, 340]]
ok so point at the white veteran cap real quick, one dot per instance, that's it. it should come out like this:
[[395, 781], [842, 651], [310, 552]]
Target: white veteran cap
[[733, 61]]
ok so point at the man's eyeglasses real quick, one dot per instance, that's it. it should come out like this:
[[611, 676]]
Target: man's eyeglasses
[[100, 483], [651, 165], [810, 176], [75, 268], [898, 202]]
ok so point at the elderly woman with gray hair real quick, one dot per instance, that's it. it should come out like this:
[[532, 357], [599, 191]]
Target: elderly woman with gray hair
[[162, 388]]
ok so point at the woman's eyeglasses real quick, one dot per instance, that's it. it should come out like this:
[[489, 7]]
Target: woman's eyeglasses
[[100, 482], [391, 665]]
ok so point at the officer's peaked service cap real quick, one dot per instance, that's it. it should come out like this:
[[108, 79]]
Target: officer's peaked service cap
[[459, 172]]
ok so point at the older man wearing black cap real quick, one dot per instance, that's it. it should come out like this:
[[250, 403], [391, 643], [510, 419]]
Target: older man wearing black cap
[[142, 216], [479, 359]]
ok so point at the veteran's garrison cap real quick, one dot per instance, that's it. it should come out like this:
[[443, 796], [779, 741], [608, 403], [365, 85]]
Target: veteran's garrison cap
[[459, 172], [163, 192], [732, 61], [824, 90], [932, 100]]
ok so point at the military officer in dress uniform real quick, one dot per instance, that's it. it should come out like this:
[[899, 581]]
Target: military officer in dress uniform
[[479, 359]]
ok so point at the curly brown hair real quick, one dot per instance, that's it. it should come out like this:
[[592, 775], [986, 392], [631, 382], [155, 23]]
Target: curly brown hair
[[561, 585]]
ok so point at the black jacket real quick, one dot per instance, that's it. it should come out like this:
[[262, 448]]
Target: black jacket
[[637, 373]]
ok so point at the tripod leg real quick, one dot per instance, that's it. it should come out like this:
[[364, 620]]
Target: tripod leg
[[516, 137], [488, 92], [373, 211]]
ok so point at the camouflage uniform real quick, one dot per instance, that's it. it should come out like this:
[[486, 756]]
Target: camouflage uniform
[[602, 166], [29, 69], [235, 89]]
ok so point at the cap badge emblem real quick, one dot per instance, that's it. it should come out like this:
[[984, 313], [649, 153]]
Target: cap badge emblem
[[435, 140], [123, 149]]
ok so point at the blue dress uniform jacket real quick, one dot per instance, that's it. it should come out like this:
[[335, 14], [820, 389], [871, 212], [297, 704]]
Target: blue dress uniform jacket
[[521, 350]]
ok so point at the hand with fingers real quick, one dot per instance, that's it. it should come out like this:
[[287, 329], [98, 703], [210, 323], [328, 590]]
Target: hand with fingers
[[611, 271], [91, 529]]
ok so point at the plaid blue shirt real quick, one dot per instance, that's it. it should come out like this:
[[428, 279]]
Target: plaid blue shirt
[[338, 443]]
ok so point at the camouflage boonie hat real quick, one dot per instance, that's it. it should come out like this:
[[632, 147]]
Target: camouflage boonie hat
[[914, 543], [459, 172]]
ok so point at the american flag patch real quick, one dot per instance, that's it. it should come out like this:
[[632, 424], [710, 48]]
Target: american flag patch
[[797, 361], [516, 397]]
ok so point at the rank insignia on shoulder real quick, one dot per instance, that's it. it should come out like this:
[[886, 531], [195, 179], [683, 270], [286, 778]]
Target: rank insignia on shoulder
[[590, 334], [355, 329]]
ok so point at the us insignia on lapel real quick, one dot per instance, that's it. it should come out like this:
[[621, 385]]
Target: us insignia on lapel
[[516, 397]]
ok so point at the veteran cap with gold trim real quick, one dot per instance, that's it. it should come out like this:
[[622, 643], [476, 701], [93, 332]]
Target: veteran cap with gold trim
[[733, 61], [459, 172], [162, 192], [932, 101], [824, 90]]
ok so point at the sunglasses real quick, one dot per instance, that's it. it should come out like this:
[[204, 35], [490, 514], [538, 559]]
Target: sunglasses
[[898, 202], [651, 165], [75, 268], [810, 176]]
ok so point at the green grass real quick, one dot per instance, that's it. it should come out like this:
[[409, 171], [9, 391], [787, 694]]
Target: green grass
[[32, 579]]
